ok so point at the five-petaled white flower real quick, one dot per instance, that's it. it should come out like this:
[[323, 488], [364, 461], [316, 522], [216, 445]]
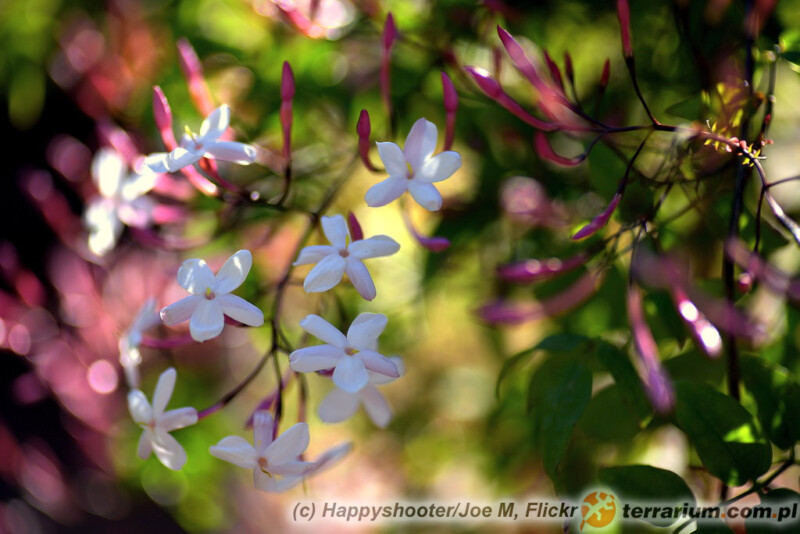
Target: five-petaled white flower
[[129, 356], [350, 357], [194, 147], [414, 169], [275, 464], [210, 297], [339, 405], [121, 201], [157, 423], [340, 257]]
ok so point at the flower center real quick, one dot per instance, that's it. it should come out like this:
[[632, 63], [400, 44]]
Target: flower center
[[193, 136], [350, 351], [410, 173], [210, 295], [262, 464], [344, 253]]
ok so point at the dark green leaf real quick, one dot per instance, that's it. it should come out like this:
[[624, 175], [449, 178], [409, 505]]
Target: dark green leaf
[[726, 437], [619, 365], [783, 503], [643, 483], [778, 399], [559, 392], [621, 428]]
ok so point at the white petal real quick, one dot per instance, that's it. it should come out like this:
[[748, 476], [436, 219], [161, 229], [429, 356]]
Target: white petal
[[393, 159], [323, 330], [335, 230], [378, 379], [330, 458], [379, 363], [195, 276], [140, 409], [239, 309], [292, 468], [386, 191], [216, 123], [168, 451], [350, 374], [440, 167], [313, 254], [325, 275], [337, 406], [180, 311], [376, 407], [316, 358], [181, 157], [263, 424], [231, 151], [359, 276], [105, 226], [365, 329], [236, 450], [137, 185], [157, 163], [164, 388], [426, 195], [207, 320], [145, 446], [138, 212], [178, 418], [374, 247], [108, 171], [233, 272], [270, 484], [288, 446], [420, 143]]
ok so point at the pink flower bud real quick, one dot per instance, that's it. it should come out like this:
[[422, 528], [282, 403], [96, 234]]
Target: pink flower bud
[[193, 72], [389, 32], [555, 73], [163, 118], [546, 152], [287, 82], [433, 243], [450, 95], [606, 74], [598, 222], [624, 15], [520, 59], [568, 70], [488, 85], [356, 233], [286, 116], [363, 129], [537, 270]]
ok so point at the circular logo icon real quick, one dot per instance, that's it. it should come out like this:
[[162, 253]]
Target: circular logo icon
[[598, 509]]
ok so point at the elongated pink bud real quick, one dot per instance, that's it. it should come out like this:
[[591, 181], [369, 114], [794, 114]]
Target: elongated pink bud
[[363, 129], [772, 277], [606, 74], [389, 36], [433, 243], [624, 15], [704, 333], [536, 270], [546, 152], [389, 32], [521, 60], [356, 233], [492, 89], [287, 94], [451, 107], [193, 72], [163, 118], [555, 73], [514, 313], [598, 222], [657, 384]]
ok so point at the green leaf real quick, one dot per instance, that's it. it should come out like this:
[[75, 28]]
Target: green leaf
[[782, 502], [644, 483], [618, 429], [560, 390], [713, 526], [778, 399], [691, 109], [619, 365], [726, 437], [561, 342]]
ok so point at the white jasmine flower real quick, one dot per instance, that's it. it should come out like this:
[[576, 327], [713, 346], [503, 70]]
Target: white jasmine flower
[[193, 147], [129, 356], [268, 459], [157, 423], [414, 169], [350, 357], [338, 258], [339, 405], [121, 201], [210, 297]]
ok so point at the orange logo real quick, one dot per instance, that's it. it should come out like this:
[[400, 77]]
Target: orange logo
[[598, 509]]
